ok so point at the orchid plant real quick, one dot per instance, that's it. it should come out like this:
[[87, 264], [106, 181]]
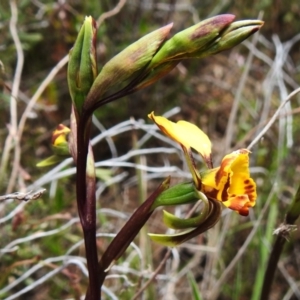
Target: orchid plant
[[139, 65]]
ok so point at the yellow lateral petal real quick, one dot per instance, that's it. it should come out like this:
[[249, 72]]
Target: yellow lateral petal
[[186, 134], [240, 181]]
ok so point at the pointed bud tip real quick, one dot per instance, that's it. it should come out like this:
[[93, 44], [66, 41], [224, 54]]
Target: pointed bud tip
[[217, 23], [165, 30], [257, 27], [261, 23], [168, 26], [226, 18], [222, 20]]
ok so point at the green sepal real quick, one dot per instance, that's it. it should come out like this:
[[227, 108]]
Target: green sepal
[[82, 67], [173, 240], [174, 222], [182, 193], [103, 174], [52, 160], [170, 240]]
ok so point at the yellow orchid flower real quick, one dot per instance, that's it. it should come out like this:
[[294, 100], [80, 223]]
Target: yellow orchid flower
[[60, 146], [230, 183], [59, 134], [59, 140]]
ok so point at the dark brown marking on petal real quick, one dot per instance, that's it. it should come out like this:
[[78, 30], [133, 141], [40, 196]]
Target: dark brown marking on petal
[[251, 197], [246, 181], [248, 187], [208, 161], [224, 195], [221, 172], [212, 194], [244, 211]]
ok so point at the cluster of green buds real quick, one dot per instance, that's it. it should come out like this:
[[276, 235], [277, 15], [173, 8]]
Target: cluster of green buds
[[147, 60]]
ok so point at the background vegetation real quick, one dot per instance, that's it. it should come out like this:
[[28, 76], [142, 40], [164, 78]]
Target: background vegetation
[[231, 96]]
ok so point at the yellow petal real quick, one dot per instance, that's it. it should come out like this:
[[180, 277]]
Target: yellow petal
[[231, 182], [186, 134], [241, 182]]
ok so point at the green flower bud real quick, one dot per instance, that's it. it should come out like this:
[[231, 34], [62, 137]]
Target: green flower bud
[[127, 64], [236, 33], [206, 38], [82, 67], [192, 39]]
